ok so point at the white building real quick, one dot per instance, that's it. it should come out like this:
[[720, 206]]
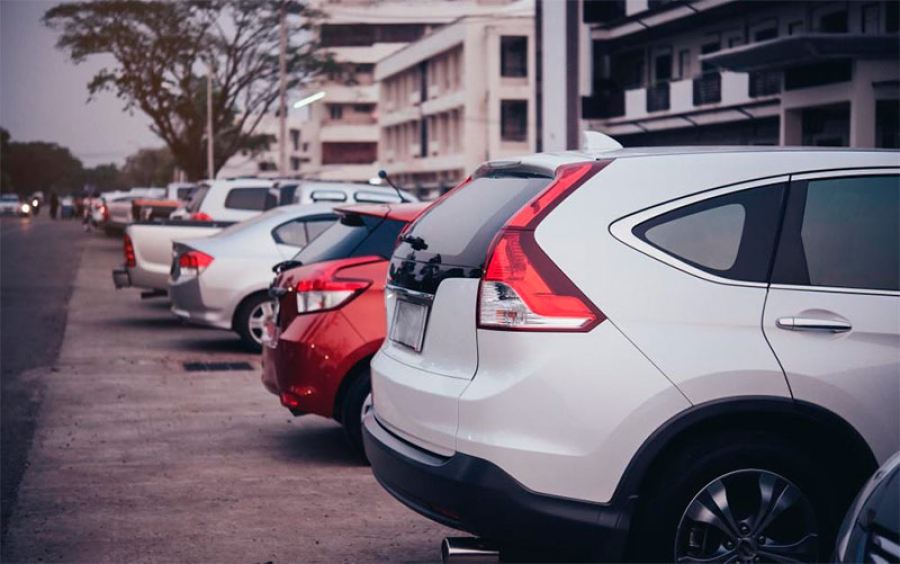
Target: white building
[[459, 96], [265, 164], [738, 72], [342, 129]]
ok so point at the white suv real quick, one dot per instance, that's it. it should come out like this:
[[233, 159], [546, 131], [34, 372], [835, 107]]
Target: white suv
[[688, 354]]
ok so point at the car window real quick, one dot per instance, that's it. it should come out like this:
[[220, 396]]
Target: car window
[[732, 236], [286, 194], [256, 199], [184, 193], [315, 228], [355, 235], [372, 197], [7, 198], [197, 199], [292, 233], [842, 232], [328, 196]]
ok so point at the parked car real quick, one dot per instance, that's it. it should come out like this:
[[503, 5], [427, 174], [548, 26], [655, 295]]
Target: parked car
[[222, 281], [10, 204], [684, 354], [66, 207], [871, 530], [119, 213], [309, 191], [328, 316]]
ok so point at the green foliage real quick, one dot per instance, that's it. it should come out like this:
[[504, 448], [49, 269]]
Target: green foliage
[[104, 178], [163, 50], [149, 167], [44, 166]]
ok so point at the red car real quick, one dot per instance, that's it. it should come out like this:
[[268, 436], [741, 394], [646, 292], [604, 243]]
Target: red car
[[330, 316]]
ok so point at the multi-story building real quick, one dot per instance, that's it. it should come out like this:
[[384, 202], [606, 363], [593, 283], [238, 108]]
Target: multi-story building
[[459, 96], [265, 164], [744, 72], [342, 127]]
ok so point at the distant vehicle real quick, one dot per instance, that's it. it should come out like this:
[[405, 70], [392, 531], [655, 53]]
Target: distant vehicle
[[118, 213], [66, 207], [10, 204], [871, 530], [309, 191], [328, 318], [222, 281]]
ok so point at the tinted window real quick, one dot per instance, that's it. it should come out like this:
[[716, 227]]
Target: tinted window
[[184, 193], [732, 236], [461, 227], [256, 199], [842, 232], [315, 228], [291, 233], [353, 236]]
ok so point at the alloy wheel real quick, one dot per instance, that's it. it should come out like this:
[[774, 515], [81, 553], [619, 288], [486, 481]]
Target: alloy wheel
[[256, 322], [745, 517]]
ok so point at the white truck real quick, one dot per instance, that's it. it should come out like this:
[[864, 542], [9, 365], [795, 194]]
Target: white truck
[[217, 204]]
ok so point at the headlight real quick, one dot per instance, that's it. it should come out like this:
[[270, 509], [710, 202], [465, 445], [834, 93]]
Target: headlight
[[26, 208]]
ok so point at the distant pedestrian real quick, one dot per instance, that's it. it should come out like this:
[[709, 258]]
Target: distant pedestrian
[[54, 205]]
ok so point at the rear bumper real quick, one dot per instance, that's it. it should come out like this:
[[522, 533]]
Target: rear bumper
[[121, 278], [188, 305], [474, 495]]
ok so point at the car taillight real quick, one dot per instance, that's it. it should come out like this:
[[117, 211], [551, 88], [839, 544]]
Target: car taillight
[[200, 216], [105, 211], [128, 247], [193, 262], [324, 289], [522, 289]]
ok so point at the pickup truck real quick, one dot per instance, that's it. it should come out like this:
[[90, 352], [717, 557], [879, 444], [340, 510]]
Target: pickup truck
[[145, 204], [147, 246]]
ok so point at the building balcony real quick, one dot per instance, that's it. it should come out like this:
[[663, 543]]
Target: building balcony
[[349, 133], [447, 101], [708, 89], [658, 97]]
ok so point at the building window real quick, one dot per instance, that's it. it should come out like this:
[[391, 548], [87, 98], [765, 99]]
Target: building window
[[628, 69], [871, 18], [513, 56], [295, 139], [305, 147], [662, 65], [765, 30], [349, 153], [711, 44], [796, 27], [295, 163], [335, 111], [684, 63], [832, 22], [267, 166], [513, 120]]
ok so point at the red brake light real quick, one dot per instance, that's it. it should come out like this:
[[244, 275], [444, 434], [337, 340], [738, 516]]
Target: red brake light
[[128, 248], [105, 211], [324, 289], [195, 260], [522, 289], [200, 216]]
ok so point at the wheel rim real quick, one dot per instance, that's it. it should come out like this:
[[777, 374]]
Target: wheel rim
[[256, 323], [748, 516], [366, 406]]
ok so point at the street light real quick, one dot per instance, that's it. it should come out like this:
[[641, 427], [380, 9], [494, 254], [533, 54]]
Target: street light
[[308, 100]]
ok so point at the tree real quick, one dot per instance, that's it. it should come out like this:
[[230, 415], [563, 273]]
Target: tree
[[149, 167], [6, 184], [42, 166], [163, 49], [104, 178]]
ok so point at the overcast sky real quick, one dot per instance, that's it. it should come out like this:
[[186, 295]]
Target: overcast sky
[[43, 95]]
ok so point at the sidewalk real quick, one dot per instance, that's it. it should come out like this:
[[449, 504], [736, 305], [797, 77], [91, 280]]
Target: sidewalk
[[137, 460]]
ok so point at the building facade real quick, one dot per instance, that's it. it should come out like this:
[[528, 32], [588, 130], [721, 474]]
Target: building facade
[[343, 126], [744, 72], [265, 164], [460, 96]]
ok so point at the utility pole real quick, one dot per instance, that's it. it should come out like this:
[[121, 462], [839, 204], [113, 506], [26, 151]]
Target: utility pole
[[282, 96], [210, 153]]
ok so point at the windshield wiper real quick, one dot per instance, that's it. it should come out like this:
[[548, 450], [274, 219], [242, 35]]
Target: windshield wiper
[[286, 265], [417, 243]]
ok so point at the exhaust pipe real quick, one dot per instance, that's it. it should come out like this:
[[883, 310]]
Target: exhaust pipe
[[461, 550]]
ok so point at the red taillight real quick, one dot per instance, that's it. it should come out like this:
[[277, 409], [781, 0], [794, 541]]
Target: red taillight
[[200, 216], [105, 211], [522, 289], [128, 247], [194, 260], [324, 289]]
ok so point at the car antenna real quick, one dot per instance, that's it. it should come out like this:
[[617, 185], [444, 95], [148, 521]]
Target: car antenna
[[383, 175]]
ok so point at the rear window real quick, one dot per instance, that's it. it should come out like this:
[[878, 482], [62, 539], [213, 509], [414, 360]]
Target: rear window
[[254, 199], [184, 193], [461, 227], [353, 236]]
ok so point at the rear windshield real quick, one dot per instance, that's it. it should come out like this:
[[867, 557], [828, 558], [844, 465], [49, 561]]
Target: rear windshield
[[353, 236], [197, 199], [461, 227]]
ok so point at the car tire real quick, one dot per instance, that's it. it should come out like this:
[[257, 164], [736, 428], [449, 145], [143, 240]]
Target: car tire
[[249, 319], [740, 496], [355, 401]]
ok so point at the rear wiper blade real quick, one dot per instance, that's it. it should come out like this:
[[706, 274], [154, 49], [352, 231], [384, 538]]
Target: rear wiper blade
[[417, 243], [286, 265]]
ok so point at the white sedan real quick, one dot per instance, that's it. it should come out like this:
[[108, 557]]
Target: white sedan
[[222, 281]]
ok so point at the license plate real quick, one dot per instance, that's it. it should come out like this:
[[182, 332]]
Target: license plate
[[408, 327]]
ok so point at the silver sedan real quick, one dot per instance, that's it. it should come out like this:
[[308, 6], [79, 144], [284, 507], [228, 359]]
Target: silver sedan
[[222, 281]]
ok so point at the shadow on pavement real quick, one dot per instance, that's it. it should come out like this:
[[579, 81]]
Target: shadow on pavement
[[319, 445]]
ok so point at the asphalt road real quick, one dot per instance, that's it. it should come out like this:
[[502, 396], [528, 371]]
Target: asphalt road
[[136, 459], [38, 262]]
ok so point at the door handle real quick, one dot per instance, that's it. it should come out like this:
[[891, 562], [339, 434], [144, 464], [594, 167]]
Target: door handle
[[812, 324]]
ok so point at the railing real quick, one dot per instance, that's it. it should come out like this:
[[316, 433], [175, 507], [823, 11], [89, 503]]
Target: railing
[[765, 83], [708, 89], [658, 97]]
